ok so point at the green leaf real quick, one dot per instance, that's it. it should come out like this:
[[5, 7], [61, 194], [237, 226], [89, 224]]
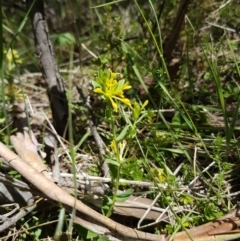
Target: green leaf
[[120, 84], [122, 134], [124, 48], [82, 231], [14, 174], [60, 224], [37, 233], [136, 110], [66, 39], [108, 112], [2, 120], [95, 84], [114, 171], [124, 195], [91, 234], [177, 119], [106, 204], [103, 238], [112, 161], [133, 131]]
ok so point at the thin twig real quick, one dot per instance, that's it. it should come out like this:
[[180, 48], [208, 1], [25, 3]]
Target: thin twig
[[22, 213]]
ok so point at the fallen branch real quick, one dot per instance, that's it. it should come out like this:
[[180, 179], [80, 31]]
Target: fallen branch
[[54, 192]]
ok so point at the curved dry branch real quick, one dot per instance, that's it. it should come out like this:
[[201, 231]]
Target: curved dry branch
[[219, 229], [28, 152], [47, 63], [54, 192]]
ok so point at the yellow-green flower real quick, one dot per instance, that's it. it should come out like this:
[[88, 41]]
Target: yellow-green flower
[[113, 146], [119, 149], [12, 57], [107, 84], [14, 92], [159, 174], [137, 108]]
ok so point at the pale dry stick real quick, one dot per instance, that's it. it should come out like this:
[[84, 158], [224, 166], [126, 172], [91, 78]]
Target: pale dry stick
[[101, 146], [134, 206], [98, 140], [178, 169], [197, 177], [54, 192], [22, 213], [50, 142], [229, 235], [148, 210], [222, 27], [4, 217], [28, 152], [217, 10], [89, 51], [161, 218], [194, 161], [95, 228], [108, 180], [224, 4], [58, 138]]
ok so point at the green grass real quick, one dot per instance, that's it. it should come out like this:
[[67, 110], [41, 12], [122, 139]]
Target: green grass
[[190, 123]]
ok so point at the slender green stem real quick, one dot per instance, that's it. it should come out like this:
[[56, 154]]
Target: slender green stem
[[115, 179]]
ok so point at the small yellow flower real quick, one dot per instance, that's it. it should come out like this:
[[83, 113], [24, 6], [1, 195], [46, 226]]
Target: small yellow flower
[[159, 174], [113, 146], [14, 92], [12, 57], [119, 148], [107, 85]]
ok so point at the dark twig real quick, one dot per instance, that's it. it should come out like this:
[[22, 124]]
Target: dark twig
[[173, 37], [101, 146], [93, 127], [47, 63]]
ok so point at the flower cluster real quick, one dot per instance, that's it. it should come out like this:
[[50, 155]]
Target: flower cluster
[[12, 91], [12, 57], [111, 87], [119, 149]]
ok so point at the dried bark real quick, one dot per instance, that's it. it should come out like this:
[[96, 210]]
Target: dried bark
[[49, 68]]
